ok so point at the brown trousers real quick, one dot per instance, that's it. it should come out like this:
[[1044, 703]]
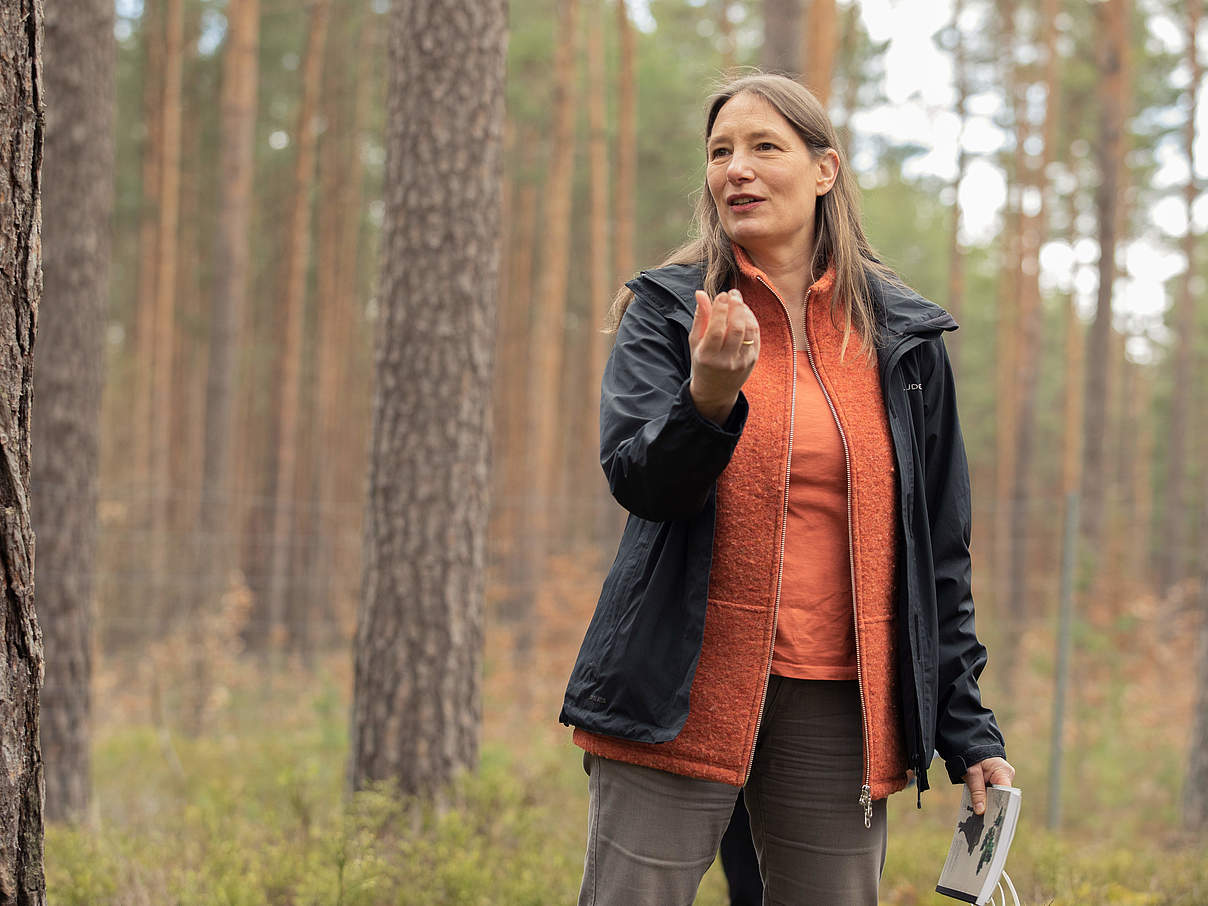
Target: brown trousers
[[652, 835]]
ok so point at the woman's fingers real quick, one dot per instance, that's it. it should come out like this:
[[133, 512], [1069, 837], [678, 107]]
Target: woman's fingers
[[724, 340], [715, 332], [742, 329], [700, 320]]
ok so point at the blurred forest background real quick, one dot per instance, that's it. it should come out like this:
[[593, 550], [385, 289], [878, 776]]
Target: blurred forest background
[[200, 661]]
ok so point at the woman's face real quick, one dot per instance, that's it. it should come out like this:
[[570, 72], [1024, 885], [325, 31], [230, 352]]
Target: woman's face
[[764, 179]]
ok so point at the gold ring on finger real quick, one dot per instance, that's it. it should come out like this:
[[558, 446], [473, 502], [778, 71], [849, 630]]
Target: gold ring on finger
[[748, 342]]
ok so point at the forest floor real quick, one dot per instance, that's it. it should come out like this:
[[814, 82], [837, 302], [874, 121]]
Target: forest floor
[[252, 813]]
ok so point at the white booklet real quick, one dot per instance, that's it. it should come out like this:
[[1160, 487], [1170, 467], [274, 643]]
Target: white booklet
[[979, 846]]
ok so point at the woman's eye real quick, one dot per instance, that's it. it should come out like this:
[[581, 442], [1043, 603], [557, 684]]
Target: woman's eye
[[765, 146], [717, 152]]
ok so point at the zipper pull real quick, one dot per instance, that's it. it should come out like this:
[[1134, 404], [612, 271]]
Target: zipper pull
[[866, 801]]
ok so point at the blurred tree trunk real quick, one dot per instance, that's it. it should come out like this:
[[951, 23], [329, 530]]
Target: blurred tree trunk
[[956, 252], [148, 261], [161, 537], [1173, 539], [1138, 521], [545, 420], [627, 146], [820, 37], [725, 28], [295, 262], [1114, 103], [219, 510], [187, 399], [77, 205], [847, 64], [782, 37], [417, 702], [514, 353], [340, 192], [1007, 330], [587, 458], [1033, 232], [22, 121], [1195, 785], [1072, 360]]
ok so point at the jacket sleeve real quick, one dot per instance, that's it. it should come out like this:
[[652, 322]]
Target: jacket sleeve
[[661, 456], [966, 731]]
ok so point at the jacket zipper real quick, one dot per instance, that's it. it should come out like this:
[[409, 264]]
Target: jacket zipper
[[784, 524], [866, 788]]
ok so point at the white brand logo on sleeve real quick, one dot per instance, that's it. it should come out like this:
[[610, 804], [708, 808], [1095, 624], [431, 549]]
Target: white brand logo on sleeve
[[913, 387]]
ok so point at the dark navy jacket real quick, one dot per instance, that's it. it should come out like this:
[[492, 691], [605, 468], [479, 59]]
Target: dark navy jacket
[[662, 458]]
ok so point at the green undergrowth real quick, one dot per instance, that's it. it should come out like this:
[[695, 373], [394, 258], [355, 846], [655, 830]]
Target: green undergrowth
[[254, 814]]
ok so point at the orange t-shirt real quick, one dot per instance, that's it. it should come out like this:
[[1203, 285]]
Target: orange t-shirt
[[815, 627]]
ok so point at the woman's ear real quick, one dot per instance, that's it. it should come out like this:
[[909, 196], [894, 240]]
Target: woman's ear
[[828, 170]]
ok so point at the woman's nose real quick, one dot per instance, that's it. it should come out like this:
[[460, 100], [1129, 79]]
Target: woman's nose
[[739, 169]]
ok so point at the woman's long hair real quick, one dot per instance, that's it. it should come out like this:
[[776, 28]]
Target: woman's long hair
[[838, 233]]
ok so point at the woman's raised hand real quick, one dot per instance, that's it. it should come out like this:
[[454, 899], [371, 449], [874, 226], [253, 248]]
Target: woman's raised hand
[[725, 345]]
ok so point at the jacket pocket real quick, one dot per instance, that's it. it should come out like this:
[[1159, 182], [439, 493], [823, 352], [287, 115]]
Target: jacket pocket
[[728, 686]]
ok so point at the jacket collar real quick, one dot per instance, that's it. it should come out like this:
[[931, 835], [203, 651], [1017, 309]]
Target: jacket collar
[[904, 313]]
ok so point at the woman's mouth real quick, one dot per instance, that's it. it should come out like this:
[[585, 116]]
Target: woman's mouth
[[744, 202]]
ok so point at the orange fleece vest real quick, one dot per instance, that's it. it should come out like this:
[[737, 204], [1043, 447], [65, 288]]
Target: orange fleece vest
[[718, 740]]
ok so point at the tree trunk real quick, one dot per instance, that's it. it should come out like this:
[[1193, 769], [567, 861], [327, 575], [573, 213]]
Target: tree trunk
[[340, 191], [514, 355], [1171, 562], [627, 145], [852, 75], [22, 879], [782, 37], [1195, 785], [148, 263], [729, 47], [165, 313], [1113, 98], [1071, 452], [187, 396], [417, 702], [545, 373], [77, 206], [213, 552], [601, 281], [289, 369], [956, 253], [820, 37], [1033, 232], [1007, 342]]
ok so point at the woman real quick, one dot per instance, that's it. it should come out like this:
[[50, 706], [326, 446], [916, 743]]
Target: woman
[[789, 611]]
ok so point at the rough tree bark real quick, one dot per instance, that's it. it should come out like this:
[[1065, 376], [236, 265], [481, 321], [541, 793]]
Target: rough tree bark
[[22, 112], [77, 205], [416, 701]]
